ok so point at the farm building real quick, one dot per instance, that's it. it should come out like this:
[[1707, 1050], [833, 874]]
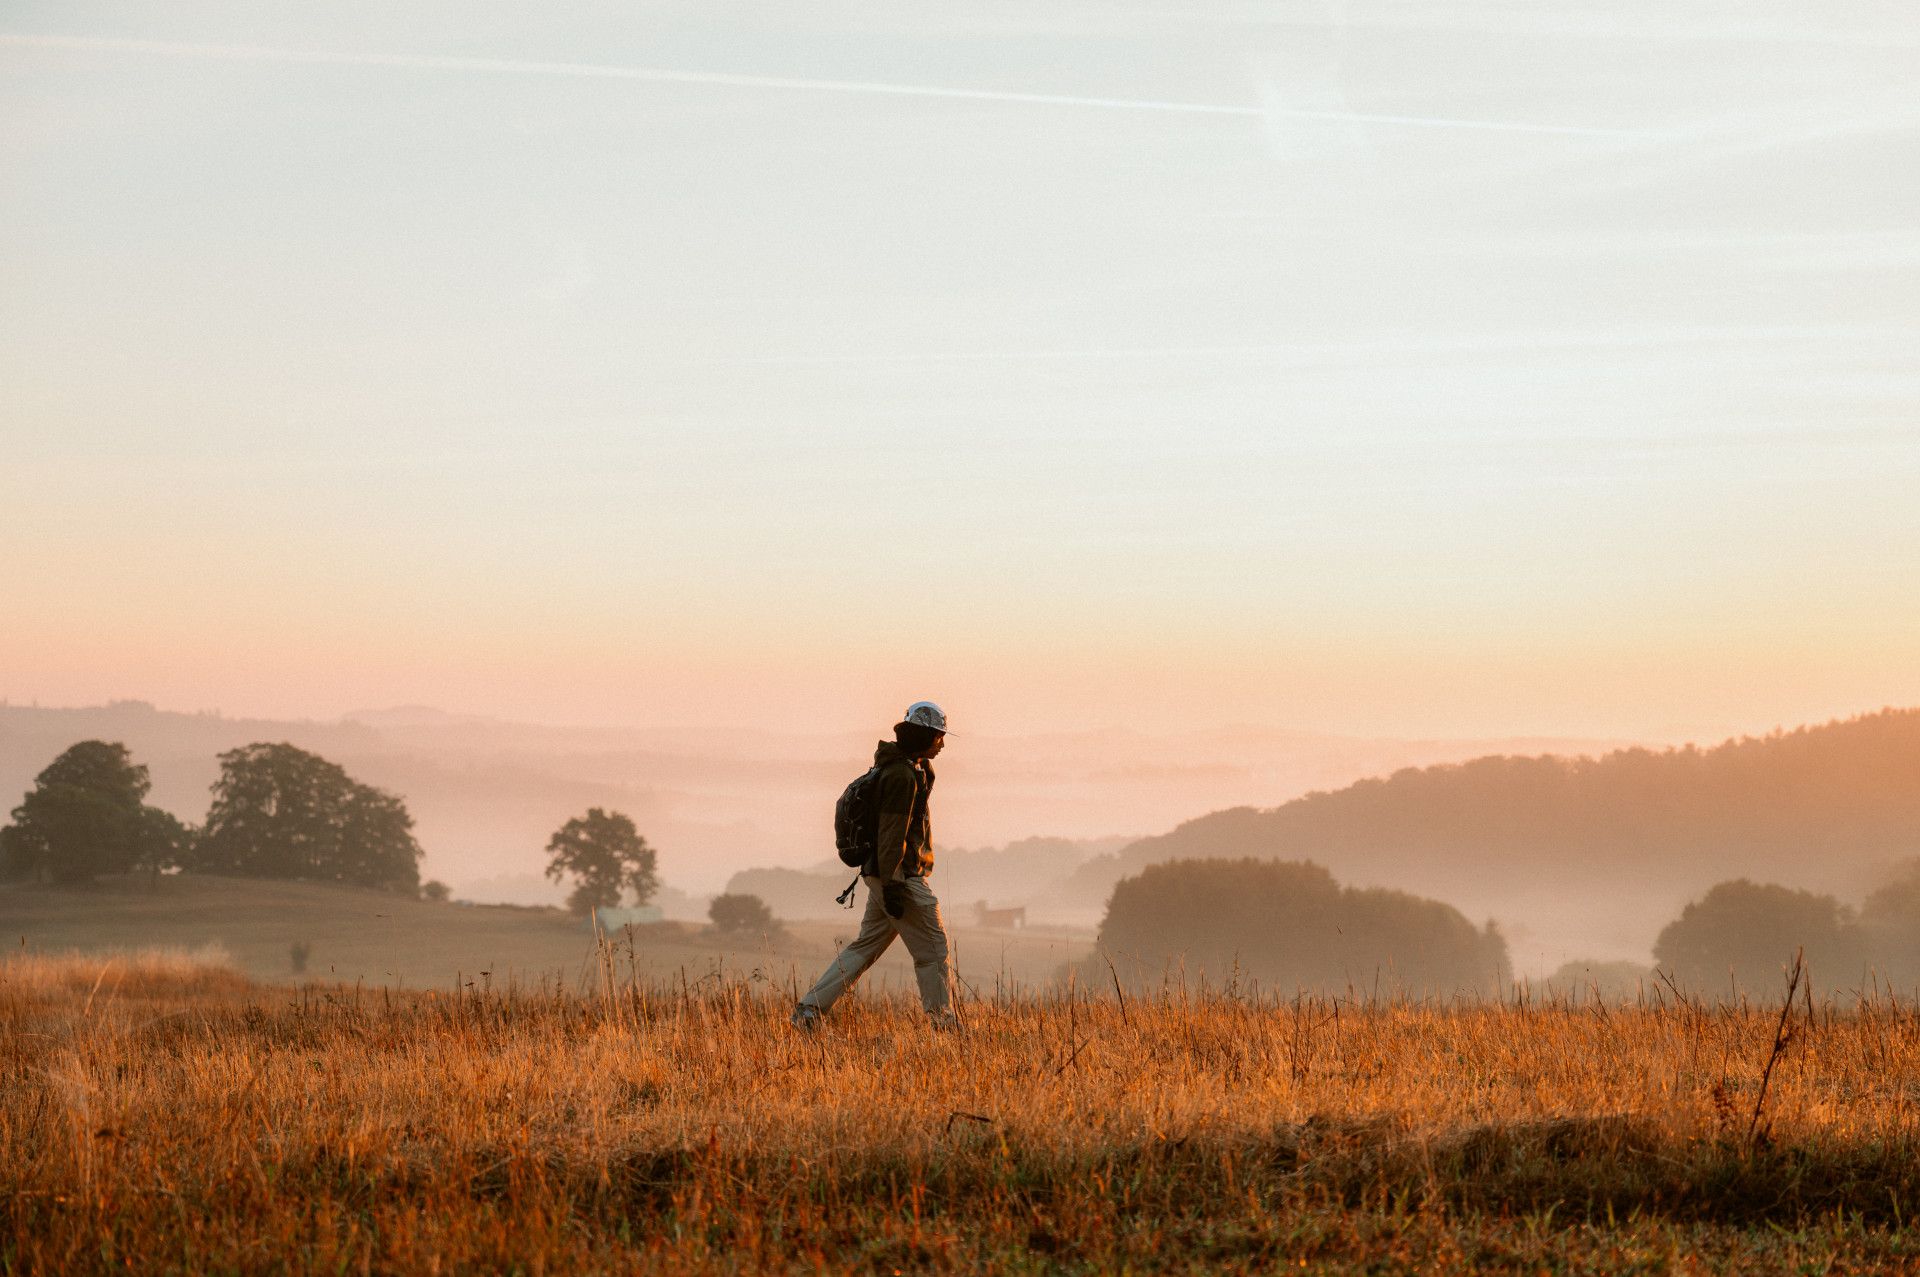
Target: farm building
[[1003, 919]]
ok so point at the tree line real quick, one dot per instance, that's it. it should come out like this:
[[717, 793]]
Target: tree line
[[1741, 936], [277, 811], [1840, 794], [1288, 926]]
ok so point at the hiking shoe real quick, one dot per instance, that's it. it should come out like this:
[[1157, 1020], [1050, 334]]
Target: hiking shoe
[[806, 1018]]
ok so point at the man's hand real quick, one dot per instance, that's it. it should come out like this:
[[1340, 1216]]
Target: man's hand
[[893, 898]]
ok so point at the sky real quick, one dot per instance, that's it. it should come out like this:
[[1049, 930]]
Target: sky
[[1443, 368]]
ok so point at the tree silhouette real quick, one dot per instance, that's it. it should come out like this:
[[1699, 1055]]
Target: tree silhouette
[[1890, 925], [1289, 925], [741, 915], [281, 812], [86, 815], [606, 857], [163, 842], [1742, 936]]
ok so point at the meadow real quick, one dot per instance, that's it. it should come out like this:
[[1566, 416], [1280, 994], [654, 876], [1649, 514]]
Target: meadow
[[356, 935], [163, 1113]]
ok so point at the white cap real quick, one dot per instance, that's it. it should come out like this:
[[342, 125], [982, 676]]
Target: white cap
[[925, 714]]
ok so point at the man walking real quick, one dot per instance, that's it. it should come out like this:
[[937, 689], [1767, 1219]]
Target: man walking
[[899, 902]]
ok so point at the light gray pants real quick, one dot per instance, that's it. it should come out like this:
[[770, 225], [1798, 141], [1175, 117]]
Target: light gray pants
[[926, 940]]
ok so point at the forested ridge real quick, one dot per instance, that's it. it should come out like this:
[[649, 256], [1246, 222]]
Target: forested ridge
[[1843, 797]]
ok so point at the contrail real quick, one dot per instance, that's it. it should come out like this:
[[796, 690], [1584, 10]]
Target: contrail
[[1309, 351], [655, 75]]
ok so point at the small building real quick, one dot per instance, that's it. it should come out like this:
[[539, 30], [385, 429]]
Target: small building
[[1000, 919], [610, 919]]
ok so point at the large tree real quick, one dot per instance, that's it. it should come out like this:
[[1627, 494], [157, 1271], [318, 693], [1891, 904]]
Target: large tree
[[163, 842], [85, 815], [281, 812], [1890, 927], [1292, 927], [1741, 937], [606, 857]]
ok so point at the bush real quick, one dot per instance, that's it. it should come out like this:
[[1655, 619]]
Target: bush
[[734, 915], [1585, 978]]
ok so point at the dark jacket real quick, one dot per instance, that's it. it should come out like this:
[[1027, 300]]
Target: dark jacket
[[905, 836]]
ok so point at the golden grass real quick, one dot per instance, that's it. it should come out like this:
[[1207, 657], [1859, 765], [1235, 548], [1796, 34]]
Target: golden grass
[[198, 1123], [144, 972]]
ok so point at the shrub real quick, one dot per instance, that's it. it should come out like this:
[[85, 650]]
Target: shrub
[[741, 915], [1584, 978]]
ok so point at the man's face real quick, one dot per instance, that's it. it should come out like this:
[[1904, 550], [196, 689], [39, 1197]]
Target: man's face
[[939, 743]]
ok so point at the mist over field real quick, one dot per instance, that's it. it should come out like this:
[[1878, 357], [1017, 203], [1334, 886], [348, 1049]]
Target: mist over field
[[1578, 862], [487, 792]]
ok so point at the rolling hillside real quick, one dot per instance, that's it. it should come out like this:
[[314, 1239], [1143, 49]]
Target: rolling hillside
[[1606, 848]]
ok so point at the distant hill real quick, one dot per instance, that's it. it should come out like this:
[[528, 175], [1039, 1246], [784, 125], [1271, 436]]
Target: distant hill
[[796, 893], [1031, 872], [1564, 840], [1028, 870]]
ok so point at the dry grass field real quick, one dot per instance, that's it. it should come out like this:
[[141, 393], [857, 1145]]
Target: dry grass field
[[161, 1114]]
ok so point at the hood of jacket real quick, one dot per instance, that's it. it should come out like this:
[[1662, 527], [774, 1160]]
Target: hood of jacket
[[886, 753]]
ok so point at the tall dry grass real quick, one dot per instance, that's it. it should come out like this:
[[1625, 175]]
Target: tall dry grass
[[190, 1122], [151, 973]]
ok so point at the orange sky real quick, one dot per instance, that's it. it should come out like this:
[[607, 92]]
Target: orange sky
[[1665, 684], [1360, 373]]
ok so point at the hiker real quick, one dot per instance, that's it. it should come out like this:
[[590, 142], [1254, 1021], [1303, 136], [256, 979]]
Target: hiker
[[899, 902]]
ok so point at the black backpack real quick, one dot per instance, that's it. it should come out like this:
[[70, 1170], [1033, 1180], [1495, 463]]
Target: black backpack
[[856, 819], [856, 827]]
